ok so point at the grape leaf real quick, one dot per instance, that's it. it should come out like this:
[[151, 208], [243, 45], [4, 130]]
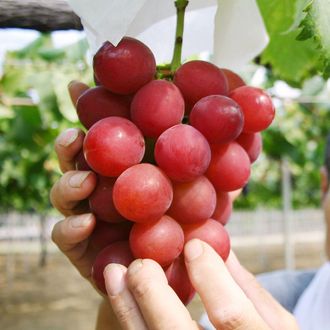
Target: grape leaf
[[290, 59], [316, 26]]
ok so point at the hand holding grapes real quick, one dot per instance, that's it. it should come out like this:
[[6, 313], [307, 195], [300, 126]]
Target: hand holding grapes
[[73, 234], [142, 299]]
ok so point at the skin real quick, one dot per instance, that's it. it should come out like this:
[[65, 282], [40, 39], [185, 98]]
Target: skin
[[325, 188], [139, 296]]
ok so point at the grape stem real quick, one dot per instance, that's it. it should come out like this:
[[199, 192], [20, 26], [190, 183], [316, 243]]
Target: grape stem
[[180, 11]]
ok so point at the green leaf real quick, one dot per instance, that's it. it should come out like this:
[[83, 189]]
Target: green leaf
[[316, 26], [291, 60], [299, 14]]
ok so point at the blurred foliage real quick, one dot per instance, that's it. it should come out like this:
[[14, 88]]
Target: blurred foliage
[[34, 108]]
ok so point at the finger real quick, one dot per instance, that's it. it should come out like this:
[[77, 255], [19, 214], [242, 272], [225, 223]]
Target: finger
[[72, 188], [268, 308], [234, 194], [67, 146], [224, 301], [158, 303], [71, 237], [76, 88], [122, 301]]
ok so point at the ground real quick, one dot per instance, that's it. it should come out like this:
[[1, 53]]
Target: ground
[[56, 298]]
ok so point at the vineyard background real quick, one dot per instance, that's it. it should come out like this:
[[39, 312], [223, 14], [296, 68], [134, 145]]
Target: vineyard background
[[277, 222]]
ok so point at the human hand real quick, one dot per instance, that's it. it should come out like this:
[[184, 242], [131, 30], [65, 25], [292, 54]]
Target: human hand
[[68, 196], [232, 297]]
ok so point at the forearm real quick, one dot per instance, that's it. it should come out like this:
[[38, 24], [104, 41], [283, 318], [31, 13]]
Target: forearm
[[327, 243], [106, 320], [326, 207]]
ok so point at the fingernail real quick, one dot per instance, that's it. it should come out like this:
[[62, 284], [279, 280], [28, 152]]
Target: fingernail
[[72, 82], [135, 266], [79, 221], [114, 276], [193, 249], [77, 179], [68, 137]]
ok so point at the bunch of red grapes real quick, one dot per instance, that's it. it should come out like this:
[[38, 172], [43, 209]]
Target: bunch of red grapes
[[166, 154]]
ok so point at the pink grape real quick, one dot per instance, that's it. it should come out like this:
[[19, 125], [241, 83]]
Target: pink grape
[[156, 107], [106, 233], [252, 144], [101, 201], [197, 79], [142, 193], [183, 153], [213, 233], [178, 280], [218, 118], [125, 68], [223, 208], [229, 168], [119, 253], [161, 241], [112, 145], [257, 107], [98, 103], [193, 201], [234, 80]]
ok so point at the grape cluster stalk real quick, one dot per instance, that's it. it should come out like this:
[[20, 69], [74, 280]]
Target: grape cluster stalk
[[167, 154]]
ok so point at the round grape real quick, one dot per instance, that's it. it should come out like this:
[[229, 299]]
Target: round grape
[[125, 68], [112, 145], [218, 118]]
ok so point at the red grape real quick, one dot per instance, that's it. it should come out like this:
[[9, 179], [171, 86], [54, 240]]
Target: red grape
[[234, 80], [223, 208], [142, 193], [197, 79], [213, 233], [112, 145], [257, 107], [98, 103], [218, 118], [119, 253], [183, 153], [106, 233], [161, 241], [252, 144], [101, 201], [178, 280], [229, 168], [125, 68], [157, 106], [193, 201]]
